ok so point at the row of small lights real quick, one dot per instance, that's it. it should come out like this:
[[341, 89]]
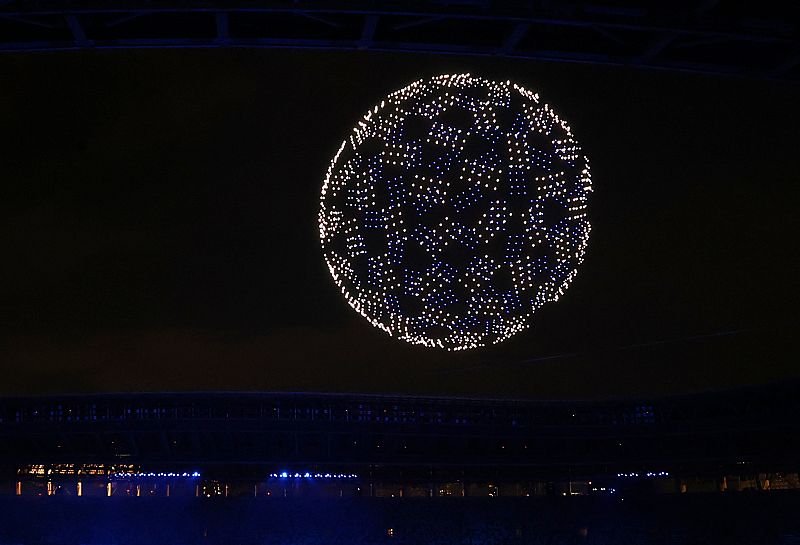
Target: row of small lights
[[126, 475], [288, 475], [649, 474], [307, 475]]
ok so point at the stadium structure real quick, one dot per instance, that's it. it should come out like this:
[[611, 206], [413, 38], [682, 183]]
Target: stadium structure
[[698, 467], [316, 445], [756, 40]]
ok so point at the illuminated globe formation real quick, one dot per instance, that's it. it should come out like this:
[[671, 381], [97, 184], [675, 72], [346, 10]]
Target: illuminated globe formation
[[455, 209]]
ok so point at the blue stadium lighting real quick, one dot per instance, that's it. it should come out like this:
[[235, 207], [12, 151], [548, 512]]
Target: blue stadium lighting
[[456, 208]]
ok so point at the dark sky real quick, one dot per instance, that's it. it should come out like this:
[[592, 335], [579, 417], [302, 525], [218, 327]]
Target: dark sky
[[159, 229]]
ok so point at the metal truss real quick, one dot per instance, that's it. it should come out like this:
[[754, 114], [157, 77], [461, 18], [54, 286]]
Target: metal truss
[[760, 40]]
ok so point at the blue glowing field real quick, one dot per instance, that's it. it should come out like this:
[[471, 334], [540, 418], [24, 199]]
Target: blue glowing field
[[754, 519]]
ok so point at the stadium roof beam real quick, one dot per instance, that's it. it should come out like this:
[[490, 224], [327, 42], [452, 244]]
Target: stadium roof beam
[[368, 32], [792, 62], [78, 34], [514, 37], [223, 28], [708, 36]]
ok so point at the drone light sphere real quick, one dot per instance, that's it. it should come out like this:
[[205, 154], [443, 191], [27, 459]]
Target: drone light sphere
[[455, 209]]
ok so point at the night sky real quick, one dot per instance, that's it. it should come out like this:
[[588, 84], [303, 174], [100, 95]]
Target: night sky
[[159, 229]]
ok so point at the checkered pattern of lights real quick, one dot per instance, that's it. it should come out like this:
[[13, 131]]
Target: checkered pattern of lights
[[455, 209]]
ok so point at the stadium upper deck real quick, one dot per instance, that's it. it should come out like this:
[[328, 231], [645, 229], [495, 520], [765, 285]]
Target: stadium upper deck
[[243, 433]]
